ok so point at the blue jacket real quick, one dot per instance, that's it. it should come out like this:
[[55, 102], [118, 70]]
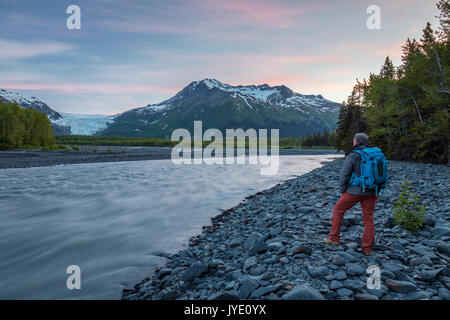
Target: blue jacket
[[352, 164]]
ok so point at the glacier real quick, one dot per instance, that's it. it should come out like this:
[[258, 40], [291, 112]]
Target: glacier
[[85, 124]]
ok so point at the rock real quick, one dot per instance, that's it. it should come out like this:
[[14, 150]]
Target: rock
[[354, 284], [444, 294], [335, 285], [385, 274], [350, 220], [365, 296], [248, 285], [401, 276], [338, 260], [351, 245], [275, 232], [355, 270], [441, 231], [444, 248], [316, 272], [390, 222], [400, 286], [250, 262], [344, 292], [302, 249], [195, 270], [420, 260], [235, 242], [432, 275], [341, 275], [284, 260], [303, 292], [163, 272], [376, 292], [259, 247], [305, 210], [224, 296], [428, 221], [273, 246], [265, 290], [392, 267], [233, 275], [252, 240], [170, 295]]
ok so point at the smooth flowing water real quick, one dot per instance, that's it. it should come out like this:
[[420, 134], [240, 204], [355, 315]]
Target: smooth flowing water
[[115, 221]]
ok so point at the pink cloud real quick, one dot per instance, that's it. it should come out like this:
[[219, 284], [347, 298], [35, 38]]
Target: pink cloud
[[15, 49]]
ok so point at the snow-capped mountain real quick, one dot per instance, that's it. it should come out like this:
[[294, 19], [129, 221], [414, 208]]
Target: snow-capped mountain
[[55, 117], [62, 123], [223, 106]]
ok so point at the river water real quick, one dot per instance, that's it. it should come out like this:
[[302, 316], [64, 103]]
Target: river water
[[116, 221]]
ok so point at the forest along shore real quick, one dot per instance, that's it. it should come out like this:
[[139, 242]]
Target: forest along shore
[[26, 158], [270, 245]]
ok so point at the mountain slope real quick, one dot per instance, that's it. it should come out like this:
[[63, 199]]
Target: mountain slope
[[55, 117], [223, 106]]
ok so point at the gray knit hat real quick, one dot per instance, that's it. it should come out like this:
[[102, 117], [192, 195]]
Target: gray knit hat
[[362, 138]]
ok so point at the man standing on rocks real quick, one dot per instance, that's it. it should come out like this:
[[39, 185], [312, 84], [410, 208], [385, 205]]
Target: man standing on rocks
[[351, 195]]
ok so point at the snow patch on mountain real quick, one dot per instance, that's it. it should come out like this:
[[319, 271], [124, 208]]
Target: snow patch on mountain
[[280, 96]]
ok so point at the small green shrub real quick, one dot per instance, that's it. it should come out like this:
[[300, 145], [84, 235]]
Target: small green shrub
[[95, 150], [109, 150], [407, 210], [76, 148]]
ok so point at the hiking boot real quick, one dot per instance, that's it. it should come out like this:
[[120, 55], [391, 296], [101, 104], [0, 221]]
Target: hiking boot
[[367, 253], [329, 241]]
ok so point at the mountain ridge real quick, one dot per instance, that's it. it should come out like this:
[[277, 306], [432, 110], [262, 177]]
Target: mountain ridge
[[223, 106]]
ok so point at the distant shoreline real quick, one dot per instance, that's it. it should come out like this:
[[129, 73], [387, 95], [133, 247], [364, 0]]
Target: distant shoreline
[[27, 158]]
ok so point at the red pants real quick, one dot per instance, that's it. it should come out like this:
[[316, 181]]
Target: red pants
[[347, 201]]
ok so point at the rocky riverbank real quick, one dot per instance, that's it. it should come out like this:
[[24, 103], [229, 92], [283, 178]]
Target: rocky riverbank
[[27, 158], [270, 245]]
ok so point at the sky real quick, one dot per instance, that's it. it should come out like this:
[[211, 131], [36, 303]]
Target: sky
[[130, 53]]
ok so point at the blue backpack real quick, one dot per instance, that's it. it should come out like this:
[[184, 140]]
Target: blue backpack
[[374, 174]]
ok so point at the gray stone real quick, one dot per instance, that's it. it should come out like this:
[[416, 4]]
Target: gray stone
[[265, 290], [444, 248], [400, 286], [335, 285], [338, 260], [250, 262], [316, 272], [273, 246], [302, 249], [224, 296], [235, 242], [163, 272], [341, 275], [355, 270], [365, 296], [195, 270], [252, 239], [170, 295], [248, 285], [441, 231], [385, 274], [303, 292], [354, 284], [420, 260], [444, 294], [432, 275], [284, 260], [344, 292]]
